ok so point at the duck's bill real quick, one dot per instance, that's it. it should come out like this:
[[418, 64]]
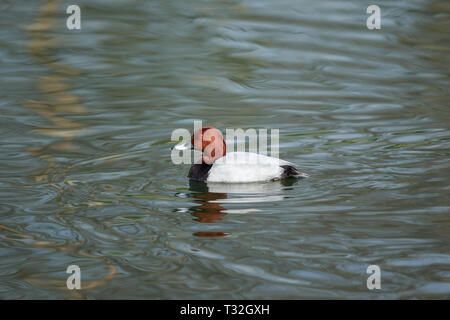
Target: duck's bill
[[183, 146]]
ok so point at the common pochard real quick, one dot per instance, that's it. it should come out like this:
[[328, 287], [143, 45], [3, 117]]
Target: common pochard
[[217, 165]]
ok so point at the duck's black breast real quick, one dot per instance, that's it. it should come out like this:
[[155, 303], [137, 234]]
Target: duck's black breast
[[199, 172]]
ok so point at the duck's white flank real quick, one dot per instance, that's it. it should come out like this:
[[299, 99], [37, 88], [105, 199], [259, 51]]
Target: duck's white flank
[[237, 167]]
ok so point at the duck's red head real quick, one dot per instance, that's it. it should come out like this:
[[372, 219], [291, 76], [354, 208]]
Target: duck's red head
[[210, 141]]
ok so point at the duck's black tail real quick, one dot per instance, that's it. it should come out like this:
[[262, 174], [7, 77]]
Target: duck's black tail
[[291, 171]]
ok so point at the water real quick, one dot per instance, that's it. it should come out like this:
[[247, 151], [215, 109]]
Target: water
[[86, 176]]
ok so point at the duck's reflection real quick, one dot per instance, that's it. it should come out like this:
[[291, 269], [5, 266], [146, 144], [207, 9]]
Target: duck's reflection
[[209, 209], [210, 197]]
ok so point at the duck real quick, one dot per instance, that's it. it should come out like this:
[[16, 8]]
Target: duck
[[217, 166]]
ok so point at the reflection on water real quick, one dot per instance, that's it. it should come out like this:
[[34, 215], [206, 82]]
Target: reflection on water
[[207, 211], [86, 176], [211, 196], [58, 101]]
